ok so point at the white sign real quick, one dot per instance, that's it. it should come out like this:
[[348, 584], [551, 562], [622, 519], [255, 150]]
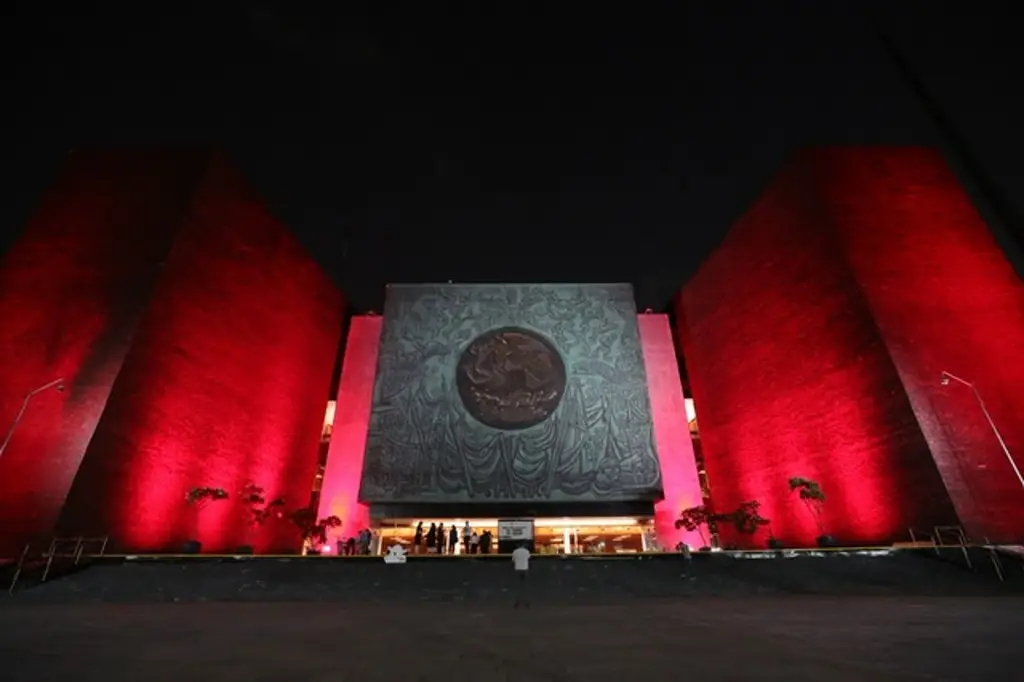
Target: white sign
[[515, 529], [395, 555]]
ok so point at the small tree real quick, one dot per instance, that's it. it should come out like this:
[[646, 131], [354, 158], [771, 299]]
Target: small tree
[[813, 498], [257, 509], [199, 499], [312, 529], [747, 519], [695, 519]]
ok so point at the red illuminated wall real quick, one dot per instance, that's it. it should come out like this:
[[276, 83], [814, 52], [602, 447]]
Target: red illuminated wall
[[72, 290], [792, 375], [226, 382], [339, 495], [945, 298], [671, 432]]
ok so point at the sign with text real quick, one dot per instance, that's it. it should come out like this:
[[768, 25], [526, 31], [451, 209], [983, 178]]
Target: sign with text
[[513, 530]]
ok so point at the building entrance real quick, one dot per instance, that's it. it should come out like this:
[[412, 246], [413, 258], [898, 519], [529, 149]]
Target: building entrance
[[587, 535]]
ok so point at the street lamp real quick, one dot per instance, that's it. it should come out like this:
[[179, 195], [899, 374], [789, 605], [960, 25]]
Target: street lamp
[[946, 379], [56, 383]]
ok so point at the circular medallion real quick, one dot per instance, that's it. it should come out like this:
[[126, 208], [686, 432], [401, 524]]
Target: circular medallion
[[510, 378]]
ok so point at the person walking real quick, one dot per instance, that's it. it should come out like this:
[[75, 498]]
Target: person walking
[[521, 564]]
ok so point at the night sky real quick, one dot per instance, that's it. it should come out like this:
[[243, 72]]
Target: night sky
[[437, 143]]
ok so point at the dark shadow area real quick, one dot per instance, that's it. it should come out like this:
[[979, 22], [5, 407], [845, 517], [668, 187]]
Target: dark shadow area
[[578, 579], [764, 638]]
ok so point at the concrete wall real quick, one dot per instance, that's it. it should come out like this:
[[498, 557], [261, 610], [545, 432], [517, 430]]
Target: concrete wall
[[225, 384], [72, 290], [793, 369]]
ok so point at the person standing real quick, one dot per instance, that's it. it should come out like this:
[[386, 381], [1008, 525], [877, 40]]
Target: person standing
[[467, 533], [453, 539], [687, 560], [364, 541], [417, 541], [521, 564], [432, 539], [442, 538]]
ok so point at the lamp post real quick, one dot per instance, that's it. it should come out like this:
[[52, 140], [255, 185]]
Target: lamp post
[[946, 379], [56, 383]]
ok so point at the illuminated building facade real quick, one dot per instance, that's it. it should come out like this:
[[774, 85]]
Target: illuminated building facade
[[195, 341]]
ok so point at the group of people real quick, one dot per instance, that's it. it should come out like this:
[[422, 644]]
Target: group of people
[[360, 545], [441, 540]]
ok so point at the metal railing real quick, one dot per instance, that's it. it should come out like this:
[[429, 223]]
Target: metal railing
[[993, 556], [19, 568], [919, 539], [954, 536], [76, 554], [60, 548], [941, 534]]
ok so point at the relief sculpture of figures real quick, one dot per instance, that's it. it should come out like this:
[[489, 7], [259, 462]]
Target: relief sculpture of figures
[[520, 392]]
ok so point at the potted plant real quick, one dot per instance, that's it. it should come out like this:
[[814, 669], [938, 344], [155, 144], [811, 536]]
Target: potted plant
[[198, 499], [814, 499], [257, 512], [313, 531], [747, 519], [696, 519]]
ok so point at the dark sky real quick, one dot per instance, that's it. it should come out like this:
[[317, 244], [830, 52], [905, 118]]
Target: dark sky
[[538, 142]]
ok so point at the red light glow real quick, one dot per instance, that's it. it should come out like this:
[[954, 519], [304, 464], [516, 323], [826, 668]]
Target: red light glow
[[224, 385], [72, 291], [945, 298], [792, 375], [671, 432], [339, 495]]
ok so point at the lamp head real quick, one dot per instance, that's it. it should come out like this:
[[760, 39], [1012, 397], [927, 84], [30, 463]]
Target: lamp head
[[944, 380], [60, 387]]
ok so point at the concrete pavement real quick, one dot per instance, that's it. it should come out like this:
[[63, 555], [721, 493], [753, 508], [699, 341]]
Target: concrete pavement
[[862, 639]]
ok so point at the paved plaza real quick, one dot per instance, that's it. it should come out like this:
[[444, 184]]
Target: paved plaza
[[720, 639]]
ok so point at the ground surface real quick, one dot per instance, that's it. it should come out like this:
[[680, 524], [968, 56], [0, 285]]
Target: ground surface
[[720, 639]]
